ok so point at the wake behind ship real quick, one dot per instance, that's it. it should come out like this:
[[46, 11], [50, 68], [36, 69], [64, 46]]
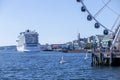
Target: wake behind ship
[[28, 41]]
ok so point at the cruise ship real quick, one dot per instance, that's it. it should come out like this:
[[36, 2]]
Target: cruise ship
[[28, 41]]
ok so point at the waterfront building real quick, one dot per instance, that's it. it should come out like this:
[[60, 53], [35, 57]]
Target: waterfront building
[[106, 41], [98, 39]]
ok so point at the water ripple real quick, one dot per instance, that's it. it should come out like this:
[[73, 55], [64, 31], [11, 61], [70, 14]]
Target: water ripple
[[46, 66]]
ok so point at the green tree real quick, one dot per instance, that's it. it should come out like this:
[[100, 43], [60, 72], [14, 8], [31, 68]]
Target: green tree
[[88, 46]]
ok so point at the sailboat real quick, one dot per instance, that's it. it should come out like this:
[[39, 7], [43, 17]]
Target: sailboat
[[62, 60], [86, 56]]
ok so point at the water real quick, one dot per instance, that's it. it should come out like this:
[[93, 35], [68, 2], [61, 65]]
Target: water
[[46, 66]]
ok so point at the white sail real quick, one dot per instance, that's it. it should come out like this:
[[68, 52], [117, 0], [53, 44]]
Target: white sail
[[62, 60], [86, 56]]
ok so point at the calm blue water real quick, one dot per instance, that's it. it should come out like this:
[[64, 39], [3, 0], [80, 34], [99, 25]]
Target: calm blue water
[[46, 66]]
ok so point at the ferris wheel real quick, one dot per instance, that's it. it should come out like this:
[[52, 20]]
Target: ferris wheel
[[104, 13]]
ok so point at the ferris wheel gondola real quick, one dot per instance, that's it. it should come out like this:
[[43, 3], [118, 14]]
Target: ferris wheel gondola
[[91, 17]]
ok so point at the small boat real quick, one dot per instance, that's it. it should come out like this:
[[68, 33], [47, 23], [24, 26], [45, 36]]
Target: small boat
[[62, 60], [86, 56]]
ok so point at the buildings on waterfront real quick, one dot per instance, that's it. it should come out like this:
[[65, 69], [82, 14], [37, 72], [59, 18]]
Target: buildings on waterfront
[[96, 41]]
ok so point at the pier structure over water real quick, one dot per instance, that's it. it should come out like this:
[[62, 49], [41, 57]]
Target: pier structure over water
[[109, 56]]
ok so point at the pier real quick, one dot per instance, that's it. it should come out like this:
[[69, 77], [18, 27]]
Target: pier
[[106, 58], [109, 56]]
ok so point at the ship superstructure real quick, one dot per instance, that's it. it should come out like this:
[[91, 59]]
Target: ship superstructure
[[28, 41]]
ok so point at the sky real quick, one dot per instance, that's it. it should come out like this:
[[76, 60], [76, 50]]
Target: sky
[[56, 21]]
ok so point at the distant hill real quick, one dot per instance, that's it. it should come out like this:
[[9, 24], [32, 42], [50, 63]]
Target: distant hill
[[8, 48]]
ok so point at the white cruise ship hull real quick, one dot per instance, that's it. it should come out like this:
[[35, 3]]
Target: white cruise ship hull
[[29, 49]]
